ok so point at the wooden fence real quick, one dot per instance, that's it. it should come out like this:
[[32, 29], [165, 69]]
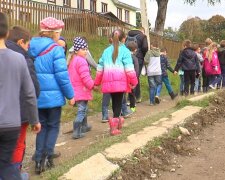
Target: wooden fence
[[77, 22]]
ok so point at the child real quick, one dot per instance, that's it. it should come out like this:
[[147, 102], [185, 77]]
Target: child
[[152, 58], [200, 61], [51, 68], [18, 40], [212, 66], [115, 70], [82, 85], [188, 61], [132, 46], [221, 56], [62, 43], [164, 66], [15, 82]]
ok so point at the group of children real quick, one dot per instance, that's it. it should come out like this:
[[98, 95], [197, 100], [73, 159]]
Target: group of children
[[36, 72]]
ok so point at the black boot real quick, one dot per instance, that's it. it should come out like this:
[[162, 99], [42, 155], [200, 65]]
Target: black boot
[[172, 95], [77, 131], [38, 168], [85, 126], [49, 162]]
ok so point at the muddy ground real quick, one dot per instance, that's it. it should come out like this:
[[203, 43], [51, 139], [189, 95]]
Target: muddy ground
[[200, 156]]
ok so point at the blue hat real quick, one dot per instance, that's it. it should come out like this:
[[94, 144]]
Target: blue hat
[[79, 43]]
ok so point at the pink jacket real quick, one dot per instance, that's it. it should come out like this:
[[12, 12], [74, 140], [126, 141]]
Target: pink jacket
[[213, 67], [118, 76], [81, 79]]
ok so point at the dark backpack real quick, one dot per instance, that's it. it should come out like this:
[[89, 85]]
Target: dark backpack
[[132, 38]]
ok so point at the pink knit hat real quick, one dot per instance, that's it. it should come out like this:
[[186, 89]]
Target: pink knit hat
[[51, 24]]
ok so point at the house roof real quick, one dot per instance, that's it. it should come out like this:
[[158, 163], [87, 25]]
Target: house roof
[[110, 15], [119, 3]]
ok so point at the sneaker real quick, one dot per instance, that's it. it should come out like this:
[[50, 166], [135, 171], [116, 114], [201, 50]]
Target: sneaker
[[138, 100], [157, 100], [212, 87], [126, 115], [105, 120], [133, 109], [128, 103], [152, 104]]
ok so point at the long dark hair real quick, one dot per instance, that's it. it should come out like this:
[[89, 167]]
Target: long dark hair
[[117, 36]]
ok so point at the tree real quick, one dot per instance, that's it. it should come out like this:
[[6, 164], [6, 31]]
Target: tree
[[161, 14], [192, 29]]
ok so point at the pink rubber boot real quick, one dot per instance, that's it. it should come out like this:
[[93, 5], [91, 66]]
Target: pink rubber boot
[[113, 124], [121, 122]]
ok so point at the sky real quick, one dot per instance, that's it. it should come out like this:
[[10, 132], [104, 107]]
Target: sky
[[177, 11]]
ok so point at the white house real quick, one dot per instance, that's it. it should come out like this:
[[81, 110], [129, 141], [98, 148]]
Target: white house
[[122, 11]]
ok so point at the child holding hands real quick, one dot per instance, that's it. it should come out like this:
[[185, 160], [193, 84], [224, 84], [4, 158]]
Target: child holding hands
[[82, 85]]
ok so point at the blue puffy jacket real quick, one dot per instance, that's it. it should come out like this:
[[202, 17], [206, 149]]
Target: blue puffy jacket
[[51, 72]]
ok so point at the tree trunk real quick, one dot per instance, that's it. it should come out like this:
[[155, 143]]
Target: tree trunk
[[161, 16]]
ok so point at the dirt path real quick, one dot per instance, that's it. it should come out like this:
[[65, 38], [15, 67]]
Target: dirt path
[[69, 147], [199, 156], [208, 161]]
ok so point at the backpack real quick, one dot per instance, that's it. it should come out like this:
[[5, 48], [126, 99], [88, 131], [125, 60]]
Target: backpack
[[133, 38]]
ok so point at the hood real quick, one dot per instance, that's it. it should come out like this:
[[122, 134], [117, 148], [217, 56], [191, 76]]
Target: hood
[[39, 44], [133, 33], [15, 47], [189, 53], [154, 52]]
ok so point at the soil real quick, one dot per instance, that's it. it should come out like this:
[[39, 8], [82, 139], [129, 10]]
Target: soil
[[69, 147], [195, 157]]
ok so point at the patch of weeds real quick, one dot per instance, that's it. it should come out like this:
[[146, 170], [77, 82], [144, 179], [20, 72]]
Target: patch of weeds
[[182, 103]]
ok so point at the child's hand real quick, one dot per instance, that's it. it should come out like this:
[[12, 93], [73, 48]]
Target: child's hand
[[72, 101], [132, 87], [95, 88], [175, 72], [36, 128]]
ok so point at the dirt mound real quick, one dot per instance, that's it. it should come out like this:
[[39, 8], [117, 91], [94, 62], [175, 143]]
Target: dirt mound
[[159, 155]]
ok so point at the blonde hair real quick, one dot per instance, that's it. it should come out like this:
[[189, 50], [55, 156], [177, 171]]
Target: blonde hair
[[49, 34], [208, 41], [210, 51]]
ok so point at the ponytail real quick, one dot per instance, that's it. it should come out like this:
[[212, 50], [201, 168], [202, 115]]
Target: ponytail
[[117, 37], [115, 43]]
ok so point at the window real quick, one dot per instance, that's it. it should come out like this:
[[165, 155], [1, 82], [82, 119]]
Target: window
[[25, 16], [51, 1], [80, 4], [127, 16], [93, 5], [104, 7], [67, 3], [119, 13]]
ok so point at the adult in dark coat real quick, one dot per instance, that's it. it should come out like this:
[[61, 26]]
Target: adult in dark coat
[[140, 54]]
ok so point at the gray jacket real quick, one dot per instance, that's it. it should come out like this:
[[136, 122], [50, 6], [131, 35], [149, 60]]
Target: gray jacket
[[15, 81]]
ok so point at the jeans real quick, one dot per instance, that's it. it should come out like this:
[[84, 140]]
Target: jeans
[[197, 82], [155, 85], [166, 81], [8, 140], [138, 87], [105, 105], [181, 83], [215, 79], [223, 75], [82, 109], [47, 137]]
